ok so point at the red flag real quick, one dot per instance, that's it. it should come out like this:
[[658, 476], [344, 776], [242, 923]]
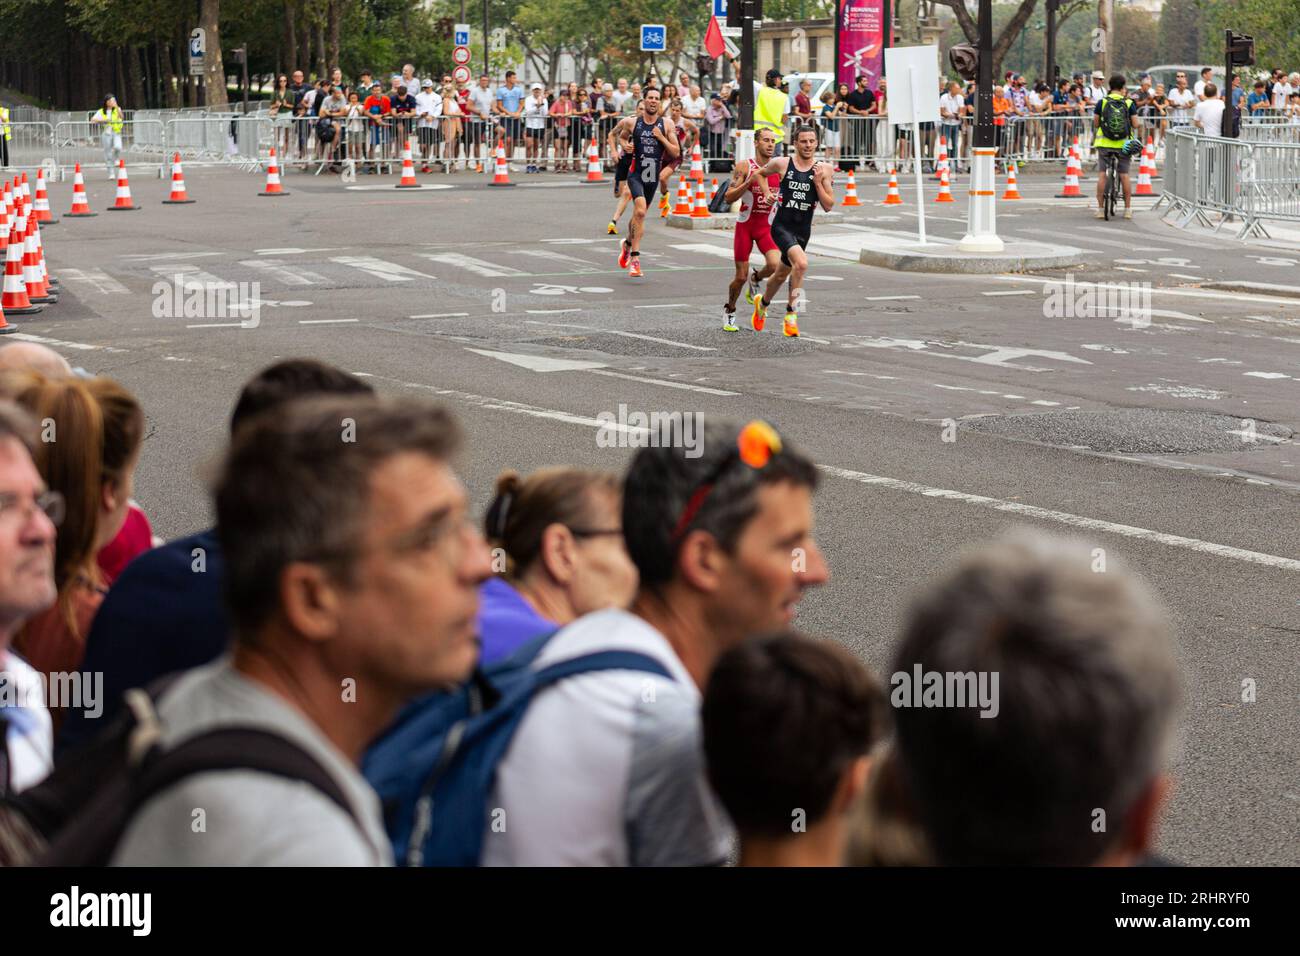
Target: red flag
[[713, 39]]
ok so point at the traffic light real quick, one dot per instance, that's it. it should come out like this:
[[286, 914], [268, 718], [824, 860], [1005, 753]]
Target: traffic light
[[1240, 49], [965, 59]]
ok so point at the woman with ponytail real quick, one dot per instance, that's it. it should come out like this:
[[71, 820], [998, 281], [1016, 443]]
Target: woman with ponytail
[[557, 548]]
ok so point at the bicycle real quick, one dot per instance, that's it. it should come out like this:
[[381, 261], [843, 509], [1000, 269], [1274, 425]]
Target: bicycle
[[1112, 194]]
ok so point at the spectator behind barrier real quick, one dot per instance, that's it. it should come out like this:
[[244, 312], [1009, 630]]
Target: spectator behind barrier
[[560, 534], [165, 613], [91, 431], [606, 768], [29, 515], [352, 577], [788, 722], [1067, 766]]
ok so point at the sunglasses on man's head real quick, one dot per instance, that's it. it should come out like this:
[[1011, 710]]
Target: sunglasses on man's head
[[755, 445]]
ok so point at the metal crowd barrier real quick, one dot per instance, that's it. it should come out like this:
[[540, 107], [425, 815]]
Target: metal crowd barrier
[[143, 144], [1238, 179], [30, 145]]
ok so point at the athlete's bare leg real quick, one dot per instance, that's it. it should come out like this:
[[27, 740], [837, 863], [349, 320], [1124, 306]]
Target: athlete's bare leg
[[771, 262], [737, 283], [774, 283], [798, 269], [624, 198], [637, 226]]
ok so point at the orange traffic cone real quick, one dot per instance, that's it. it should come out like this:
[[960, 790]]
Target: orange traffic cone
[[408, 180], [5, 327], [123, 202], [500, 168], [80, 207], [683, 205], [1143, 187], [1012, 192], [273, 187], [701, 210], [851, 192], [697, 164], [713, 191], [1151, 157], [595, 174], [941, 157], [1072, 167], [945, 194], [892, 198], [178, 195], [42, 203], [13, 297], [37, 293], [51, 284]]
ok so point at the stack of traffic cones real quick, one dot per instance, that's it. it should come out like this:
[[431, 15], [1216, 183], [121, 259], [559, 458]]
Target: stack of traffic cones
[[945, 194], [500, 168], [941, 157], [273, 187], [34, 227], [594, 171], [5, 327], [697, 164], [1012, 191], [178, 195], [42, 204], [123, 201], [1072, 169], [683, 205], [851, 192], [701, 210], [408, 180], [892, 198], [80, 207], [38, 293], [13, 297]]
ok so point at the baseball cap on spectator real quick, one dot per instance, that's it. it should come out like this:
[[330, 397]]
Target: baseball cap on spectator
[[537, 86], [160, 616], [1098, 75], [1064, 709], [774, 74], [427, 84]]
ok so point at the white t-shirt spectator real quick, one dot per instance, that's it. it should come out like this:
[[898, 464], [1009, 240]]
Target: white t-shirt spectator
[[619, 97], [694, 108], [1181, 103], [1209, 115], [1199, 89], [429, 103], [535, 110], [606, 768], [1281, 93], [1095, 93], [951, 104], [481, 101]]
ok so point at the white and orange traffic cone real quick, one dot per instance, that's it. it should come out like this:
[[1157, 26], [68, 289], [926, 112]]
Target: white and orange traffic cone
[[13, 296], [701, 210], [1143, 187], [941, 157], [595, 173], [178, 194], [273, 187], [945, 194], [697, 164], [851, 192], [892, 198], [1151, 157], [123, 201], [500, 168], [5, 327], [37, 292], [1012, 191], [713, 190], [80, 207], [408, 180], [1071, 190], [683, 204], [42, 202], [51, 284]]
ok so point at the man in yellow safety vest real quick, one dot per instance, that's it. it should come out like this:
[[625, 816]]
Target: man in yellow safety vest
[[772, 107], [4, 140]]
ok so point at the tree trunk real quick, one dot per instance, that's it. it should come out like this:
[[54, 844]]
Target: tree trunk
[[171, 95], [290, 45], [319, 30], [333, 27], [304, 44], [214, 79]]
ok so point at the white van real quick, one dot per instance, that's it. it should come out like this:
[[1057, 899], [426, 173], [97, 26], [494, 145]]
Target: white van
[[821, 82]]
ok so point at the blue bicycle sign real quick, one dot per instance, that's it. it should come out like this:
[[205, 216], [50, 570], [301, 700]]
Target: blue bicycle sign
[[654, 38]]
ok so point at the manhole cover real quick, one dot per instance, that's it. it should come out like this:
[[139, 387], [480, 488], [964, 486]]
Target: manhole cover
[[1137, 431]]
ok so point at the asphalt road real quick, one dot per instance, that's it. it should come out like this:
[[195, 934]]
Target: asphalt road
[[945, 409]]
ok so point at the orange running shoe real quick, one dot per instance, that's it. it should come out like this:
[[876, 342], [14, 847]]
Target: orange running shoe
[[791, 325], [635, 271], [624, 254], [760, 314]]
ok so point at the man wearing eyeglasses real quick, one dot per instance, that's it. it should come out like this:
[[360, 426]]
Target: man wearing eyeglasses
[[606, 768], [28, 518]]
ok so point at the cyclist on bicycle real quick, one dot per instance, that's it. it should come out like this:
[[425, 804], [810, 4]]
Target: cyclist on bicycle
[[1116, 117]]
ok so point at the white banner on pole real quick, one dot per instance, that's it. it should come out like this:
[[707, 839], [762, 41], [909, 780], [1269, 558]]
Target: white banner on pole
[[913, 73]]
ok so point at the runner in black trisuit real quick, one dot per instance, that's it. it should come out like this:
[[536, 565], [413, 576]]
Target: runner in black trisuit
[[648, 137], [621, 166], [804, 183]]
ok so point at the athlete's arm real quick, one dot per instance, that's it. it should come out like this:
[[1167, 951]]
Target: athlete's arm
[[823, 180], [669, 142], [737, 187], [775, 167]]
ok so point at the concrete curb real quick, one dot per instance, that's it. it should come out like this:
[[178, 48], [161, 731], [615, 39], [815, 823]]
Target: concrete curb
[[1262, 288], [1017, 257]]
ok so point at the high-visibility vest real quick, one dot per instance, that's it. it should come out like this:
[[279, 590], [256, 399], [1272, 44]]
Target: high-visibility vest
[[114, 119], [768, 110], [4, 122]]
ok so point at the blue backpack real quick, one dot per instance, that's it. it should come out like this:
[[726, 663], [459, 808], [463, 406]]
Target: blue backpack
[[434, 768]]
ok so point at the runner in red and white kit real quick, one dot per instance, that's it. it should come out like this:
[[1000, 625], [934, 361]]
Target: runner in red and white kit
[[753, 227]]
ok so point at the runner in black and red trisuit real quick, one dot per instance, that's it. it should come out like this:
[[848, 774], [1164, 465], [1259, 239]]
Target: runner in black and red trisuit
[[650, 141], [804, 184]]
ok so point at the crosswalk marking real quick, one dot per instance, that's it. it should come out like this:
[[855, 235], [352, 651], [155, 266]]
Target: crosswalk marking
[[101, 280], [550, 255], [192, 277], [380, 268], [284, 272], [470, 264]]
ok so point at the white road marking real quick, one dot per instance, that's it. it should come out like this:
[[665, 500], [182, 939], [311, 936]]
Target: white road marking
[[1164, 290], [722, 252], [1016, 292], [60, 343], [1129, 269], [824, 278], [284, 272], [1062, 517], [193, 277], [217, 325], [573, 242], [539, 363], [150, 256], [630, 335], [1040, 401], [890, 298], [380, 187], [1181, 275], [100, 280], [549, 311], [666, 305], [1266, 374], [470, 264], [293, 251], [549, 255], [442, 315], [325, 321], [380, 269], [1254, 436], [667, 384]]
